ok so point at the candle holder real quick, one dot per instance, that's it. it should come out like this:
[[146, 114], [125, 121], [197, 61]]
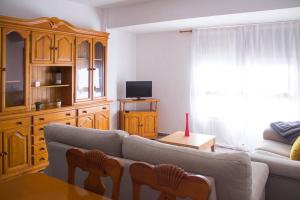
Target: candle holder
[[187, 130]]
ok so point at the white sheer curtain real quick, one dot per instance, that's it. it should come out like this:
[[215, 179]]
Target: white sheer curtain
[[243, 78]]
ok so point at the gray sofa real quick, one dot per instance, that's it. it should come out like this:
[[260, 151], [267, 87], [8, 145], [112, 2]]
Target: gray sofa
[[284, 179], [232, 176]]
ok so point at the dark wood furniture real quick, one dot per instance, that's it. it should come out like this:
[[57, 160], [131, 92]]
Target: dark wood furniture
[[170, 180], [98, 165]]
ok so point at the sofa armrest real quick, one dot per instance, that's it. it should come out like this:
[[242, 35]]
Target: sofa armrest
[[278, 165]]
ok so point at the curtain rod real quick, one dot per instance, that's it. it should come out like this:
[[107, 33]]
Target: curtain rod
[[237, 25]]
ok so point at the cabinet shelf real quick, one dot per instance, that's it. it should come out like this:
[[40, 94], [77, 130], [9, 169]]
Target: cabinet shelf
[[14, 81], [52, 86]]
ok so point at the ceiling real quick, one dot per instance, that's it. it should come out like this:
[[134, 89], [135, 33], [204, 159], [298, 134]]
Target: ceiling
[[217, 21], [108, 3]]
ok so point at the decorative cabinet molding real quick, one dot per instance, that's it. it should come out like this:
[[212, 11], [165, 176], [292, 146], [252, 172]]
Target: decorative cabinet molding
[[64, 49], [16, 149], [42, 44], [45, 60]]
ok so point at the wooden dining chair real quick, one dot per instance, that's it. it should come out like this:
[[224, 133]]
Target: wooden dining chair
[[98, 165], [170, 180]]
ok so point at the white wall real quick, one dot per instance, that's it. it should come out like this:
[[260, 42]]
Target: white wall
[[164, 59], [77, 14], [167, 10], [121, 67]]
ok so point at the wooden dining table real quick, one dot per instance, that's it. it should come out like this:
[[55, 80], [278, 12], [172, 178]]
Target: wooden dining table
[[42, 187]]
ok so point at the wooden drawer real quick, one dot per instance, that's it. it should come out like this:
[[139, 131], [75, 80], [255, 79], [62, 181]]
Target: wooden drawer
[[39, 129], [38, 159], [71, 122], [13, 123], [53, 116], [38, 139], [90, 110], [39, 149]]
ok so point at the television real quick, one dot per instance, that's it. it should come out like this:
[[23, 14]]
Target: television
[[138, 89]]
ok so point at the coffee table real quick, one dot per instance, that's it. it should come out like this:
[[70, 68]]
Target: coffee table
[[195, 140]]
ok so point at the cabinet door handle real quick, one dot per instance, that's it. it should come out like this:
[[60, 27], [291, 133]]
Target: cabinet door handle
[[68, 114], [41, 159], [55, 48], [5, 153], [1, 154], [42, 118], [41, 139], [84, 111], [104, 108], [93, 69], [42, 149], [3, 69], [19, 123], [68, 123], [41, 129]]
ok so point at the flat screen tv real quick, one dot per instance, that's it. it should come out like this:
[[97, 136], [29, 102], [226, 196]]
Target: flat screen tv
[[138, 89]]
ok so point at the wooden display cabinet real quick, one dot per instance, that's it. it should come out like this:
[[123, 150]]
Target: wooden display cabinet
[[139, 122], [31, 52]]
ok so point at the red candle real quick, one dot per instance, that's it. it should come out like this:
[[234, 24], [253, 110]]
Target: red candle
[[187, 130]]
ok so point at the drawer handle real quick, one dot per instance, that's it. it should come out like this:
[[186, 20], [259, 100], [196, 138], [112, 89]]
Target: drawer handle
[[68, 123], [68, 114], [42, 118], [19, 123], [104, 108], [41, 159], [42, 149], [41, 129], [84, 111], [5, 153], [42, 139]]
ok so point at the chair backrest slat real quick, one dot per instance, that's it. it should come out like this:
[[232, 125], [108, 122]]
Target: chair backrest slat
[[98, 165], [170, 180]]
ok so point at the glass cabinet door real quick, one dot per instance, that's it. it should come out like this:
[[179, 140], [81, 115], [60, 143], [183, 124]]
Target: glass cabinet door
[[83, 69], [15, 69], [98, 70]]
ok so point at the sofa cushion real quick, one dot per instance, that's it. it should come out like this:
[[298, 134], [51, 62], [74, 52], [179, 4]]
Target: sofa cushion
[[270, 134], [231, 171], [295, 151], [260, 173], [275, 147], [109, 142]]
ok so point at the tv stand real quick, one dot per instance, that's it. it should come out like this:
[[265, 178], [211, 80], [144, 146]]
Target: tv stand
[[142, 122]]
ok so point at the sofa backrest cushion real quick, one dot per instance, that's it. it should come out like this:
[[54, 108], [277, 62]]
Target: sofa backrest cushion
[[270, 134], [231, 171], [110, 142]]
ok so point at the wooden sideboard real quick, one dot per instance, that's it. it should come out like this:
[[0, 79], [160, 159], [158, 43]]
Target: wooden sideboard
[[46, 60], [142, 122]]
